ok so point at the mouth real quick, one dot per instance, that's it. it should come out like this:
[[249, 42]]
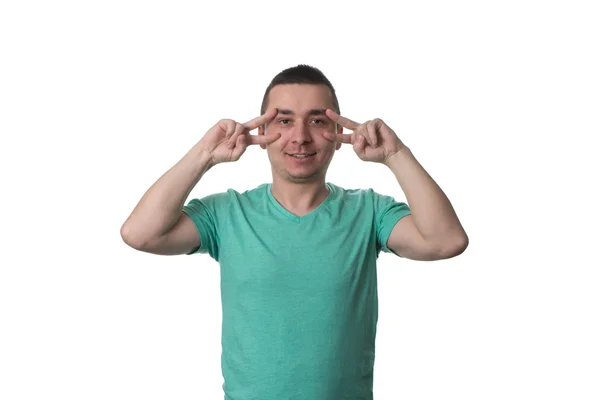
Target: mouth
[[300, 156]]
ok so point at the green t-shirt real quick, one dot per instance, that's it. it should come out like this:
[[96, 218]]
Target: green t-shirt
[[299, 294]]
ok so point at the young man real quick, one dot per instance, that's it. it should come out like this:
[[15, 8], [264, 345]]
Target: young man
[[298, 255]]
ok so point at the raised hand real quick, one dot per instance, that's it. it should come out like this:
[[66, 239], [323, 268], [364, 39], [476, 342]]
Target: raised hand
[[372, 140], [227, 140]]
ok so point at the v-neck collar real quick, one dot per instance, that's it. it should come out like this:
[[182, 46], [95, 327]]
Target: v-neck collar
[[295, 217]]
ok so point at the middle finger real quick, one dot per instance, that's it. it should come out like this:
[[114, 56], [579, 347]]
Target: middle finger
[[239, 129], [372, 133]]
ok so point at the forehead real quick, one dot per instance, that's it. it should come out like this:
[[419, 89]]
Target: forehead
[[300, 97]]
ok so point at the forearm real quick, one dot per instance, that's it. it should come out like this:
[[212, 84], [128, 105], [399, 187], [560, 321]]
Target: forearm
[[434, 215], [160, 207]]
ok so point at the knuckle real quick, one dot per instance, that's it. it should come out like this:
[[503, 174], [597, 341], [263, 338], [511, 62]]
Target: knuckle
[[228, 124]]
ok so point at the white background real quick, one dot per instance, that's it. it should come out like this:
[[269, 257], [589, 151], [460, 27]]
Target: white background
[[499, 101]]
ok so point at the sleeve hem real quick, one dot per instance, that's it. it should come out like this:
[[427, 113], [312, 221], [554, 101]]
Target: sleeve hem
[[388, 231], [203, 237]]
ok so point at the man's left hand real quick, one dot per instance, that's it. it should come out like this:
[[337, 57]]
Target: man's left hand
[[372, 140]]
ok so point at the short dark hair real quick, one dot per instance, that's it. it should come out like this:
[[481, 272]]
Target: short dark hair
[[301, 73]]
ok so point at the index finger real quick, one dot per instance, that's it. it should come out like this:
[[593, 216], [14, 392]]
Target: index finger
[[263, 119], [263, 139], [343, 121]]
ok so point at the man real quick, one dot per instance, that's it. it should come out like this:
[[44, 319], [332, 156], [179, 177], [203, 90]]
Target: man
[[298, 255]]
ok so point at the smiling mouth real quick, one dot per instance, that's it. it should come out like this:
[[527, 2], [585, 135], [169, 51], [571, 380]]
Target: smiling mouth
[[301, 155]]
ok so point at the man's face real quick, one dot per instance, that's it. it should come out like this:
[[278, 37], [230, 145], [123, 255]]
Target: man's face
[[301, 154]]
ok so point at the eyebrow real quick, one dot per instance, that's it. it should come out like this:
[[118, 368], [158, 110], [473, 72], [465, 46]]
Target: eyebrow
[[314, 111]]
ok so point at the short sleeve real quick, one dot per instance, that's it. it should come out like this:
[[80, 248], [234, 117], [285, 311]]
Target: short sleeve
[[205, 212], [388, 212]]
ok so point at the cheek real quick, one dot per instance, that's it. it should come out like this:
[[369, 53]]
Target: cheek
[[287, 134], [322, 141], [274, 129]]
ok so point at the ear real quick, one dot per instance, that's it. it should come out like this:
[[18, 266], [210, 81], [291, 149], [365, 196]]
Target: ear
[[340, 130], [262, 131]]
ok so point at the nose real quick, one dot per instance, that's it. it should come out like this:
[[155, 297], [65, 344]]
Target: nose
[[301, 133]]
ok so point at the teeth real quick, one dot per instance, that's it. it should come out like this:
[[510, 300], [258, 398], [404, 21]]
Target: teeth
[[300, 155]]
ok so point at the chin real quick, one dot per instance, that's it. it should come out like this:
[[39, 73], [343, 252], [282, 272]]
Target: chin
[[305, 175]]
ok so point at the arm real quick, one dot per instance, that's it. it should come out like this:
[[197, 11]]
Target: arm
[[432, 231], [157, 224]]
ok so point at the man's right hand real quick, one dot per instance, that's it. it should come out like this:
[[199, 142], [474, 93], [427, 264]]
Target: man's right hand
[[228, 139]]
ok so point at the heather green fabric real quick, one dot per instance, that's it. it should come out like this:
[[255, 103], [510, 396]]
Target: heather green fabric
[[299, 294]]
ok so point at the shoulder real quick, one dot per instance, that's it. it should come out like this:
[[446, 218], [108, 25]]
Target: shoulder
[[350, 194], [225, 197], [253, 194], [209, 201], [362, 196]]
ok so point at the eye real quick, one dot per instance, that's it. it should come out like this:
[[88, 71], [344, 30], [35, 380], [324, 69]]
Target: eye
[[320, 121], [284, 119]]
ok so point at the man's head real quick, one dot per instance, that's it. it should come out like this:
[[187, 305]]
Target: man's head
[[300, 74], [301, 94]]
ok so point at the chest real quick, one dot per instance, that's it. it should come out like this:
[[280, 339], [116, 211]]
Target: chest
[[303, 255]]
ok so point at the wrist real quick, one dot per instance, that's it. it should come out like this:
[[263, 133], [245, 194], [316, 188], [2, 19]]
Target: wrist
[[201, 158], [398, 156]]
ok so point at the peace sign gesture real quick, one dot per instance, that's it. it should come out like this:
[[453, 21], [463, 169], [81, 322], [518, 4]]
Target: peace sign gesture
[[227, 140], [372, 140]]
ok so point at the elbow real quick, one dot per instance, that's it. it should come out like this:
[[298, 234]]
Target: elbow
[[130, 238], [455, 247], [462, 245]]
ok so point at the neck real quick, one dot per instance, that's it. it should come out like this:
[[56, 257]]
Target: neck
[[299, 198]]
